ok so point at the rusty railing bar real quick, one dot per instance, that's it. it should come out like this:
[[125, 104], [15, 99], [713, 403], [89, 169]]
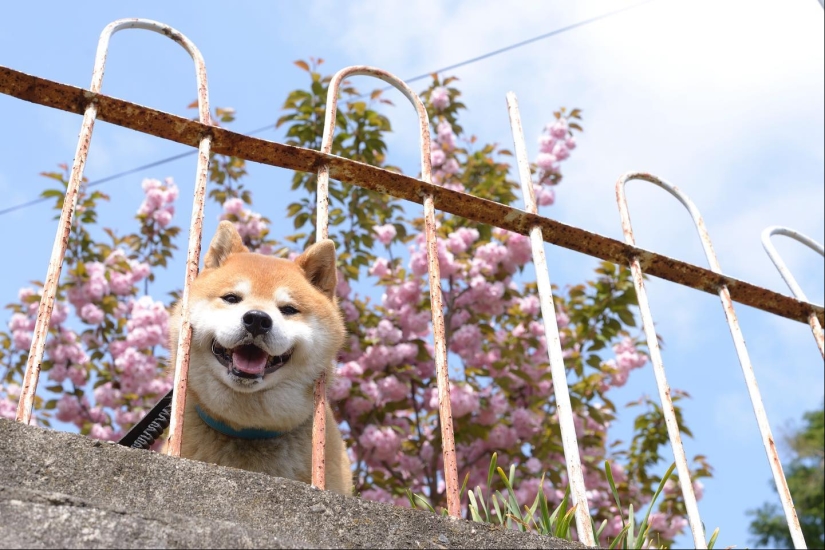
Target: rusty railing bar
[[181, 130], [445, 413], [584, 524], [668, 411], [786, 274], [90, 113]]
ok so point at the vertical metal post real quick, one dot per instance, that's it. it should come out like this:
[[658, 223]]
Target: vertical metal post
[[445, 414], [584, 525], [786, 274], [44, 313], [739, 344]]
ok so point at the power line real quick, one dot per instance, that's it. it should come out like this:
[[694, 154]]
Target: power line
[[413, 79]]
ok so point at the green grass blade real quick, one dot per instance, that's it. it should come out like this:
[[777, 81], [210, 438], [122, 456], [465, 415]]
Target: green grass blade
[[491, 471], [474, 508], [621, 537], [546, 524], [598, 532], [713, 537], [512, 503], [659, 490], [609, 473], [464, 485], [631, 533], [499, 515], [483, 502], [563, 528], [423, 502], [411, 498]]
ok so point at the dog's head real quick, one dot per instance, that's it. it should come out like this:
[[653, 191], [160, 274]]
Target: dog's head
[[263, 329]]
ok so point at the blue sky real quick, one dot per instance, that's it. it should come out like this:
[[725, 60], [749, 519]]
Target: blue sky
[[723, 99]]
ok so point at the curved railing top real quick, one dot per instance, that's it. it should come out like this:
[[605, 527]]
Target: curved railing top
[[777, 259], [160, 28], [698, 222]]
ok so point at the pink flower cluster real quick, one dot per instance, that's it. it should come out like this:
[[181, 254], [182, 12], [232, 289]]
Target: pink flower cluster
[[117, 276], [8, 402], [443, 159], [250, 225], [628, 358], [159, 204]]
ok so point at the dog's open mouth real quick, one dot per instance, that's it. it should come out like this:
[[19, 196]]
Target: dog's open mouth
[[249, 361]]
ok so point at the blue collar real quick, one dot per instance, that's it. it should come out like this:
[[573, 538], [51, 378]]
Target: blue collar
[[244, 433]]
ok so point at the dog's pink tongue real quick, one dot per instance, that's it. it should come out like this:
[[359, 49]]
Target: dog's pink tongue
[[249, 359]]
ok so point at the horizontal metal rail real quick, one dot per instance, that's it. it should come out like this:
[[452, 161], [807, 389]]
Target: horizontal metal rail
[[188, 132]]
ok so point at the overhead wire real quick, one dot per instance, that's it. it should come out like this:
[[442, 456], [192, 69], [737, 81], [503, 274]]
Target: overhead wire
[[422, 76]]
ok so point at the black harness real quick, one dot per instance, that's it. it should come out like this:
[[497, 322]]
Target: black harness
[[148, 430]]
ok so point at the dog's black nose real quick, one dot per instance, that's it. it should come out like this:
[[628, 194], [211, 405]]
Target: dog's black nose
[[257, 322]]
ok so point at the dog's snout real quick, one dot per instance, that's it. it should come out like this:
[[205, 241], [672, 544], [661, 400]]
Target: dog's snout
[[257, 322]]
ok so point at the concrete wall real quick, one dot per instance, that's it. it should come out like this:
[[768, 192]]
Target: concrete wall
[[65, 490]]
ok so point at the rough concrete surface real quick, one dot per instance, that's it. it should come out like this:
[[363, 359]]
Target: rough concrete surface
[[66, 490]]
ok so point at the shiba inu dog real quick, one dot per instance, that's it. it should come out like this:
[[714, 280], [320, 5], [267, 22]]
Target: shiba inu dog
[[263, 330]]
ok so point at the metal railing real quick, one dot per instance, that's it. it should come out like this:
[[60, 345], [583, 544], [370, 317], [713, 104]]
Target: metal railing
[[206, 137]]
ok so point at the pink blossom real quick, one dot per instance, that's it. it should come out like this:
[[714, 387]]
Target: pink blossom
[[68, 408], [544, 195], [547, 162], [533, 465], [392, 389], [419, 264], [104, 433], [107, 396], [546, 143], [526, 423], [92, 314], [437, 157], [356, 406], [559, 128], [78, 376], [8, 409], [383, 442], [380, 268], [350, 311], [451, 166], [387, 332], [502, 437], [351, 370], [59, 314], [698, 489], [440, 97], [233, 206], [570, 143], [340, 388], [560, 151], [386, 233], [445, 135], [463, 400], [466, 340]]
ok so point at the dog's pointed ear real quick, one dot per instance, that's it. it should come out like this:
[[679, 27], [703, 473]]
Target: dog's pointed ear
[[227, 241], [318, 263]]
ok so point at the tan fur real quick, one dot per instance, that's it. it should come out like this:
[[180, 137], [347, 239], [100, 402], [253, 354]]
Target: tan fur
[[283, 400]]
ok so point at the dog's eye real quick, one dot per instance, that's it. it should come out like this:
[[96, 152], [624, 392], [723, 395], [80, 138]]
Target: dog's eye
[[288, 310], [231, 298]]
